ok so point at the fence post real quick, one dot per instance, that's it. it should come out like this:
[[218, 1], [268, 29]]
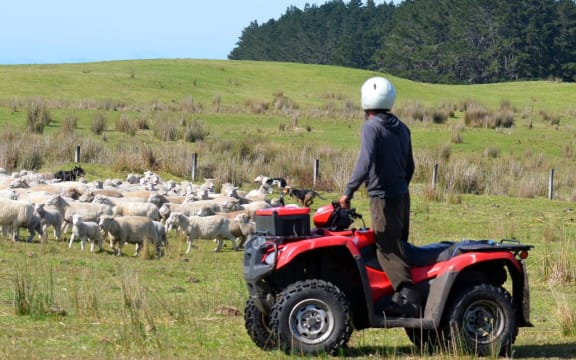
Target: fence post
[[434, 175], [551, 184], [77, 154], [316, 171], [194, 163]]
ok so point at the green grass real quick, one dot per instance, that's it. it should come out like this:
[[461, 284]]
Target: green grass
[[101, 306], [95, 306]]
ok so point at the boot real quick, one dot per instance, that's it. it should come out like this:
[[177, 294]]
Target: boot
[[406, 303]]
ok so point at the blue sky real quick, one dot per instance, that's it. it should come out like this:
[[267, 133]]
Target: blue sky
[[58, 31]]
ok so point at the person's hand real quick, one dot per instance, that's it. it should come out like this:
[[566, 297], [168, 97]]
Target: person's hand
[[344, 202]]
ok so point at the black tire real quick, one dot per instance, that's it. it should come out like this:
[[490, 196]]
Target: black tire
[[311, 317], [258, 327], [480, 320]]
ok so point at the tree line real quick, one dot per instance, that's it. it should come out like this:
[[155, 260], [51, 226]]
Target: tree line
[[436, 41]]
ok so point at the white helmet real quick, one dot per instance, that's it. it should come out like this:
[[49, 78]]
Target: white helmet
[[378, 94]]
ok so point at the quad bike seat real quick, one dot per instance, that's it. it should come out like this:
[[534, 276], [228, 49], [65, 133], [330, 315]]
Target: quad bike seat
[[417, 255], [430, 253]]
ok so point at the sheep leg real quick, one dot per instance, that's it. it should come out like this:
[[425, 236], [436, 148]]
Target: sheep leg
[[220, 243], [189, 246], [71, 241], [32, 233], [57, 233], [234, 243], [82, 242], [137, 250]]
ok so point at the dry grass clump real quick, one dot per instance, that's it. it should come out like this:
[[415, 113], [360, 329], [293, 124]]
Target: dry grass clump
[[99, 124], [456, 135], [126, 126], [465, 177], [255, 106], [553, 119], [38, 116], [195, 131], [69, 124], [431, 193], [283, 103], [166, 128], [418, 112]]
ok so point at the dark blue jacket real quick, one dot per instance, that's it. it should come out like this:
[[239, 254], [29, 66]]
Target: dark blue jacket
[[385, 163]]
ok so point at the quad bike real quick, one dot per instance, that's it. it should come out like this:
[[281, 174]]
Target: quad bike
[[310, 288]]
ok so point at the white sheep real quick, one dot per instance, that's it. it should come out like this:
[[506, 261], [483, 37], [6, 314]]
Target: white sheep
[[85, 231], [200, 208], [69, 207], [15, 214], [259, 194], [255, 205], [50, 217], [122, 207], [8, 194], [162, 236], [214, 227], [247, 227], [132, 230]]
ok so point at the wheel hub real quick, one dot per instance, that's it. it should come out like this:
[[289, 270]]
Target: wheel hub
[[481, 321], [311, 321]]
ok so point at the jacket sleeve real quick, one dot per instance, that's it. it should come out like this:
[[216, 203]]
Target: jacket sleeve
[[362, 167], [410, 165]]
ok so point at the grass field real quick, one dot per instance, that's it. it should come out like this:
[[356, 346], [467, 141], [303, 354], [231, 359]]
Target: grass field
[[57, 302]]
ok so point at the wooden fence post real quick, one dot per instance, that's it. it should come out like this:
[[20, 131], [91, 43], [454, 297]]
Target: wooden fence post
[[434, 175], [316, 171], [551, 185], [77, 154], [194, 164]]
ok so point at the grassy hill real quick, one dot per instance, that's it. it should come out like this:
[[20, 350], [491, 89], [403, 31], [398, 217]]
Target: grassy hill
[[146, 81], [251, 118]]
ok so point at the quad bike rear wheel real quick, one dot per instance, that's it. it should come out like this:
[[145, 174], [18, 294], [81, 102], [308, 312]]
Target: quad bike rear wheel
[[257, 326], [480, 320], [311, 317]]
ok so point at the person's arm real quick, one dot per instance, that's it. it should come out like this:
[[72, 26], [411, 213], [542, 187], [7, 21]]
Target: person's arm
[[410, 167], [365, 158]]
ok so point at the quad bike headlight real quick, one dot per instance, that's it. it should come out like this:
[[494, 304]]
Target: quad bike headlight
[[270, 259]]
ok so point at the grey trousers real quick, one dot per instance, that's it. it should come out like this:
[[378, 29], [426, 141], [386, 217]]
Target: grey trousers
[[390, 222]]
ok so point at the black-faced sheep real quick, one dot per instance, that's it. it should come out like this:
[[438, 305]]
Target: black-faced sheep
[[214, 227], [85, 231], [130, 229]]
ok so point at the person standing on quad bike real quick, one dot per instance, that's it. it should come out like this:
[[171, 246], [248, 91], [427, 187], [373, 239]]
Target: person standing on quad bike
[[385, 165]]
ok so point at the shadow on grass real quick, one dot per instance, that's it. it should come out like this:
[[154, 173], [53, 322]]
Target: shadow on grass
[[556, 351]]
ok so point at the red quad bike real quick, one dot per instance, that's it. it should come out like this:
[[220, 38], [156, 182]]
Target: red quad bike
[[309, 288]]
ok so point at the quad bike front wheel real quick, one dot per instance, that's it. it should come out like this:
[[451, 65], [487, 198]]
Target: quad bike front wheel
[[257, 326], [311, 317], [480, 320]]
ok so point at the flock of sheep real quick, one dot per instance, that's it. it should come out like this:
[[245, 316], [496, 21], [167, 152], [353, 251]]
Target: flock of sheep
[[140, 210]]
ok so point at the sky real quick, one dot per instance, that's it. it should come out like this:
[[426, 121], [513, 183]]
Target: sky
[[71, 31]]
